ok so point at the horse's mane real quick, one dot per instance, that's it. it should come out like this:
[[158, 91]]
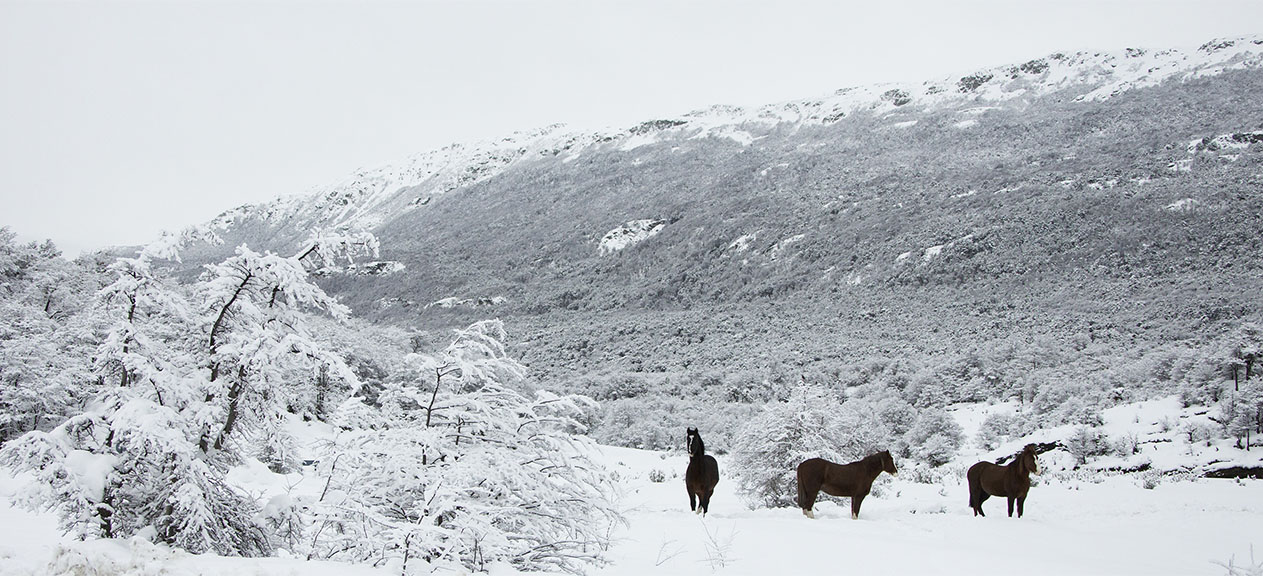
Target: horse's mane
[[701, 446], [874, 457], [1020, 458]]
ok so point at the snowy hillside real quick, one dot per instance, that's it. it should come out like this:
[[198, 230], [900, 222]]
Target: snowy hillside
[[939, 216], [373, 196], [1061, 254]]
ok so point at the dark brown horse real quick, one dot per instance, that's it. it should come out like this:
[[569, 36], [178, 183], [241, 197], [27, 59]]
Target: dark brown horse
[[702, 474], [854, 480], [1012, 481]]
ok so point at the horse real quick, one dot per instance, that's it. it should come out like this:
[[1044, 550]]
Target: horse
[[702, 474], [1012, 481], [854, 480]]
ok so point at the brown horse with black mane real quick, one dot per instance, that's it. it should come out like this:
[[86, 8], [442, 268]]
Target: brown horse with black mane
[[1012, 481], [854, 480], [702, 474]]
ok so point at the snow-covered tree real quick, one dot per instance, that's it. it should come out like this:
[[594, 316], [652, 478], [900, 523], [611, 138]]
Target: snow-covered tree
[[1087, 442], [935, 437], [995, 430], [1247, 350], [46, 335], [149, 453], [812, 423], [1240, 413], [460, 467], [145, 347]]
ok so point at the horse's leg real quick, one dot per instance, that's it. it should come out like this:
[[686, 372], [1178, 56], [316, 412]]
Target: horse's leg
[[1011, 507], [976, 494], [807, 499], [692, 500], [1021, 500], [855, 504], [705, 500], [982, 497]]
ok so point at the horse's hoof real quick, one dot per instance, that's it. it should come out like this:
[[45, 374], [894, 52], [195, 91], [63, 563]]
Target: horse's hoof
[[855, 516], [809, 514]]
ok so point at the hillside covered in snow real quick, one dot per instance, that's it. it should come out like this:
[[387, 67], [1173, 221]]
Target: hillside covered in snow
[[1106, 201]]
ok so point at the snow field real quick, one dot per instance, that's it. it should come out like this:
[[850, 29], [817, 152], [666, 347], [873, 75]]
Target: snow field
[[1107, 526], [1084, 521]]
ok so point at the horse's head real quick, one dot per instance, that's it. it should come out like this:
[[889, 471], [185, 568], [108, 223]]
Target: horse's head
[[693, 442], [1027, 459], [887, 462]]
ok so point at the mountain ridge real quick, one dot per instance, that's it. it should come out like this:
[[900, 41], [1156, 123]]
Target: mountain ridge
[[412, 183], [934, 235]]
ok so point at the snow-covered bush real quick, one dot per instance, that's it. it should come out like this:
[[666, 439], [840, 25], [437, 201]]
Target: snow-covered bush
[[657, 422], [1128, 444], [1241, 413], [466, 470], [1195, 432], [812, 423], [1087, 443], [123, 468], [1068, 403], [935, 437], [994, 431]]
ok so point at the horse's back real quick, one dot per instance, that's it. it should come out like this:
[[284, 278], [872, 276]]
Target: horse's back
[[976, 471], [812, 466], [989, 477]]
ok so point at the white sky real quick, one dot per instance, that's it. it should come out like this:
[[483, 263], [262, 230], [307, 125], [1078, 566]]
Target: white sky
[[121, 119]]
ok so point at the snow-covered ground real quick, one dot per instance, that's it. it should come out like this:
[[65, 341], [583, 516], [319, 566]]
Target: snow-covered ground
[[1114, 526], [1076, 522]]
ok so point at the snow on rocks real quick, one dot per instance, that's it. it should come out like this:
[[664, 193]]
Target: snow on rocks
[[1183, 205], [454, 302], [629, 234], [378, 268]]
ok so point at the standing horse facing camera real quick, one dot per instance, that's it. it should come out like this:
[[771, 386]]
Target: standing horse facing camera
[[1012, 481], [702, 474], [854, 480]]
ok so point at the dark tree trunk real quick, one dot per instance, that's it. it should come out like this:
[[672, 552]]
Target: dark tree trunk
[[234, 399]]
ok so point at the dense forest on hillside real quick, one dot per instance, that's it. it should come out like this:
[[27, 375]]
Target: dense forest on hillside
[[1096, 238]]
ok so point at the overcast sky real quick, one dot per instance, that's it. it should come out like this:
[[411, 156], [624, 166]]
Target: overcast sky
[[121, 119]]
